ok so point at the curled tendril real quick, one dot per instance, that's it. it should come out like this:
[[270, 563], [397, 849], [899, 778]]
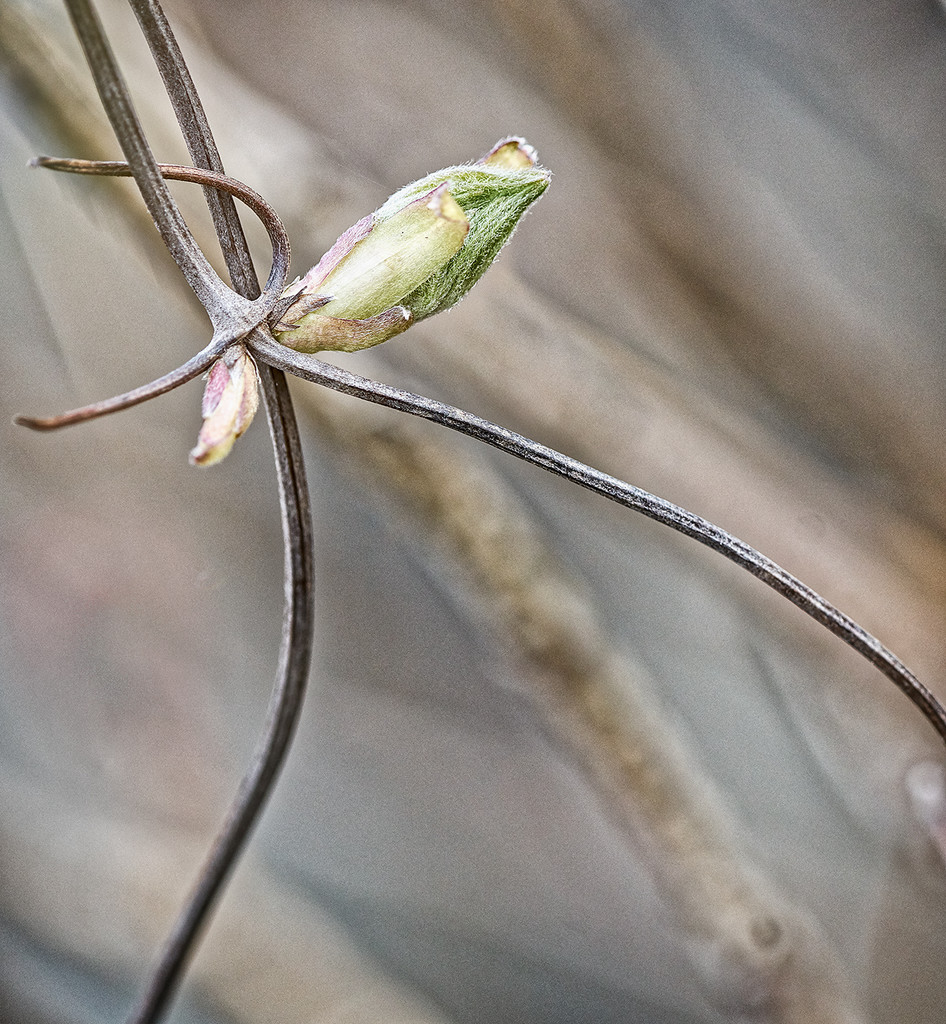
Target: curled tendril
[[270, 303]]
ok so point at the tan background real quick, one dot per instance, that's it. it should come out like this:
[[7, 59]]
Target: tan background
[[731, 295]]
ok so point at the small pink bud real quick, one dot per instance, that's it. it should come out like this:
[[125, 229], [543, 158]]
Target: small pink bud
[[230, 401]]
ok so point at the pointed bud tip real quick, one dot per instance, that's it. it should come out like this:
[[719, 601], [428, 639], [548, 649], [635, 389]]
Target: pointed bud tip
[[513, 154]]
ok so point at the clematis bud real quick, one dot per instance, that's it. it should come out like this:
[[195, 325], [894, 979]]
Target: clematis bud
[[417, 255], [230, 401]]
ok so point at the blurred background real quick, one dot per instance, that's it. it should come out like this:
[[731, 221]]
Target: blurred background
[[557, 764]]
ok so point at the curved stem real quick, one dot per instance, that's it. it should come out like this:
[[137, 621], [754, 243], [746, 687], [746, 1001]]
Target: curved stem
[[677, 518], [200, 362], [210, 179], [199, 138], [284, 706], [194, 367]]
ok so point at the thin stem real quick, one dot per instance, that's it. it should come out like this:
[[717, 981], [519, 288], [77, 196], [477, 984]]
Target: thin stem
[[194, 367], [297, 634], [228, 311], [284, 707], [199, 139], [231, 313], [677, 518], [118, 106]]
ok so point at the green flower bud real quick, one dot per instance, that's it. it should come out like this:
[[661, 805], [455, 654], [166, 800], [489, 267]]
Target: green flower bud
[[230, 401], [417, 255]]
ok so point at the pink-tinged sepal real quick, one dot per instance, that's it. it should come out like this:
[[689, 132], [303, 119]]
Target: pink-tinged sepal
[[312, 282], [336, 334], [231, 398]]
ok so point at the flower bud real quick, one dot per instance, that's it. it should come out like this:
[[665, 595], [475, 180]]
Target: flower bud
[[230, 401], [417, 255]]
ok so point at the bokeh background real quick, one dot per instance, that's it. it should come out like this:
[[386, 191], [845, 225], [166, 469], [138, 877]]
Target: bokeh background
[[557, 764]]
